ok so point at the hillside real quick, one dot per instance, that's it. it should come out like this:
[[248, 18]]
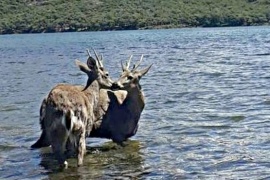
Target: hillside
[[35, 16]]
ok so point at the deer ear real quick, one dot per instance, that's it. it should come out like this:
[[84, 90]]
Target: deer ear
[[92, 63], [83, 67], [144, 71]]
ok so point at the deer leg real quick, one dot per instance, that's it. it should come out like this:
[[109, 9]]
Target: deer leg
[[81, 147], [59, 140], [119, 139], [71, 145]]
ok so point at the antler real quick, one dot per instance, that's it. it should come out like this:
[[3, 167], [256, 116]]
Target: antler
[[90, 57], [99, 60], [128, 62], [125, 68], [89, 54], [135, 66]]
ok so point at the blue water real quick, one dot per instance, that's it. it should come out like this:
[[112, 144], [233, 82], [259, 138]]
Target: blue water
[[207, 103]]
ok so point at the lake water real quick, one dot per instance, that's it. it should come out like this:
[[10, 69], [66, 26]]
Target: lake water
[[207, 103]]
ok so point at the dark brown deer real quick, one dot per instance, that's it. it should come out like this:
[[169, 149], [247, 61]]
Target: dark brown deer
[[67, 114], [120, 110]]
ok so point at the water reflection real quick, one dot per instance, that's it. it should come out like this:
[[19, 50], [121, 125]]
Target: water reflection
[[108, 161]]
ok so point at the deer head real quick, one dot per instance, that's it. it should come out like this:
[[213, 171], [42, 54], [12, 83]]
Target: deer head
[[95, 71], [130, 78]]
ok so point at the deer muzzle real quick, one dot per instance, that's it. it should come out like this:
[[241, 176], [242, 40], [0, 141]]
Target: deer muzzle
[[116, 86]]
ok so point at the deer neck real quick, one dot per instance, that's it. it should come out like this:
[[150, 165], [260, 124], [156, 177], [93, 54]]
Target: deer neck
[[92, 93], [135, 98]]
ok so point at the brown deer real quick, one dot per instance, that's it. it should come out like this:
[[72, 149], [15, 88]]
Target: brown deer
[[67, 114], [120, 110]]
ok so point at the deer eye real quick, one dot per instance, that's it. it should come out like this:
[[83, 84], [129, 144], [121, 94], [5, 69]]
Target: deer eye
[[129, 77]]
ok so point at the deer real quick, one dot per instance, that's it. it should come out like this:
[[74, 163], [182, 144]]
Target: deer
[[120, 109], [68, 112]]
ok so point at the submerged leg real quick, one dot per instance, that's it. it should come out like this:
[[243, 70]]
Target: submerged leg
[[119, 139], [71, 146], [81, 147], [59, 140]]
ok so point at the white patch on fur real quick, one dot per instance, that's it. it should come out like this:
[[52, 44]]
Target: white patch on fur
[[120, 96], [63, 121], [84, 110], [73, 119]]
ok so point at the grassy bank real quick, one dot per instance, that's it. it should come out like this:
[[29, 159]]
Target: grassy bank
[[35, 16]]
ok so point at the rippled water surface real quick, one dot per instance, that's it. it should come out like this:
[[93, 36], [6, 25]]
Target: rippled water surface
[[207, 103]]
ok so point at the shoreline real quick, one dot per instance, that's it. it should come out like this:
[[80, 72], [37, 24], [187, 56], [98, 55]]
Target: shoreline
[[65, 30]]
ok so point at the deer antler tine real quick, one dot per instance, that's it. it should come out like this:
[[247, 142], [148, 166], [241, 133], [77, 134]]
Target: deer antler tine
[[89, 54], [90, 57], [141, 57], [128, 62], [101, 57], [95, 54], [101, 60], [123, 68], [138, 63], [97, 58]]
